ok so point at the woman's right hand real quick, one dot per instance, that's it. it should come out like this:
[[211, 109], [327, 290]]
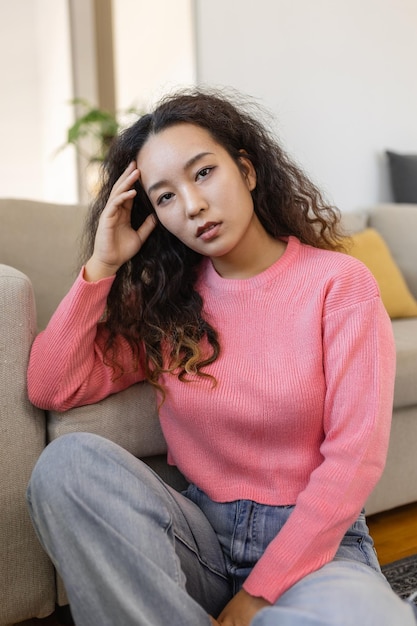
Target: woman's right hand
[[116, 241]]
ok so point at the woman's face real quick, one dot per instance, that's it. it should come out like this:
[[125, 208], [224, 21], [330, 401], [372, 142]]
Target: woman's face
[[199, 192]]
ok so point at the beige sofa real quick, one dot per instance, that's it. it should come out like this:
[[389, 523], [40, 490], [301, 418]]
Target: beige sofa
[[397, 224], [38, 260]]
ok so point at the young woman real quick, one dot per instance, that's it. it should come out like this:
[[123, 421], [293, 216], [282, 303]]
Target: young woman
[[211, 272]]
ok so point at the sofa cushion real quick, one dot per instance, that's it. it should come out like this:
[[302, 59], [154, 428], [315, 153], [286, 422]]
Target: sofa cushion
[[405, 334], [403, 174], [129, 418], [369, 247]]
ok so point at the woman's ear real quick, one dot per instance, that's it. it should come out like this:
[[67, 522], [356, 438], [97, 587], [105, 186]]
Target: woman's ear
[[247, 170]]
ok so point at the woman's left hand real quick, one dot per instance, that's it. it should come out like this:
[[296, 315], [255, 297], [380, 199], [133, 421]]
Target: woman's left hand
[[241, 609]]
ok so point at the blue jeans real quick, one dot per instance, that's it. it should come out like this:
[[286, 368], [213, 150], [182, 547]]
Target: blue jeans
[[133, 551]]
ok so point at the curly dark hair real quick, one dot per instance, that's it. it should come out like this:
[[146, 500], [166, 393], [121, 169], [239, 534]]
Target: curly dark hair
[[153, 302]]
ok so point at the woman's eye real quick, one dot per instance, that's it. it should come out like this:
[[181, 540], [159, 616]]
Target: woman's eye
[[164, 198], [204, 172]]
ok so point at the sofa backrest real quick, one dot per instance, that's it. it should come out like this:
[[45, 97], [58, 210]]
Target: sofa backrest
[[397, 224], [42, 240]]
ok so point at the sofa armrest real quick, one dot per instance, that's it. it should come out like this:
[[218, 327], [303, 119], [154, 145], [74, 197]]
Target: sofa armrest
[[129, 418], [26, 574]]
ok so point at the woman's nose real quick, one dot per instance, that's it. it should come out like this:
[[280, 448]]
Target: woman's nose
[[194, 203]]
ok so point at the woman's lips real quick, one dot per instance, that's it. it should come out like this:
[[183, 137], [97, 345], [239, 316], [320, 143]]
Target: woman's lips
[[208, 231]]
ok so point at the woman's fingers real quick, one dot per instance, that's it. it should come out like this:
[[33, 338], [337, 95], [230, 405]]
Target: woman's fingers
[[146, 228], [122, 193], [127, 179], [124, 184], [126, 174], [116, 241]]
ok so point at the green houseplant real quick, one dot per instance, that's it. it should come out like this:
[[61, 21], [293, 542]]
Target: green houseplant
[[94, 129]]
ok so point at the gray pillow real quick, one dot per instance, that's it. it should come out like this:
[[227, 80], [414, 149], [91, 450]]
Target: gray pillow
[[403, 173]]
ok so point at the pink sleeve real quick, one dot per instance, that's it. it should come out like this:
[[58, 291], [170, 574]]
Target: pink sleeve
[[66, 366], [359, 367]]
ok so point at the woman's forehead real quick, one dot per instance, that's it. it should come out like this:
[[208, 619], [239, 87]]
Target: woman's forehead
[[179, 135], [176, 147]]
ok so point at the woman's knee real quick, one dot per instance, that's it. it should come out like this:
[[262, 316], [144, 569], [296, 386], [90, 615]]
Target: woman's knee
[[61, 463], [83, 470], [342, 592]]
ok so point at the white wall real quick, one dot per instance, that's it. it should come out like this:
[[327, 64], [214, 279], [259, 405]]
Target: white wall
[[154, 49], [339, 76], [19, 110], [36, 87]]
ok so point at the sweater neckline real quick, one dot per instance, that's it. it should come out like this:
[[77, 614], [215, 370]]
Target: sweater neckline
[[212, 279]]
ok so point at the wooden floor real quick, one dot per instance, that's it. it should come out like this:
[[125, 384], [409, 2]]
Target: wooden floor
[[394, 533]]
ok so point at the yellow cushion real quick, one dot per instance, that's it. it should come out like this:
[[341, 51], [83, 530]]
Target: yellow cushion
[[369, 247]]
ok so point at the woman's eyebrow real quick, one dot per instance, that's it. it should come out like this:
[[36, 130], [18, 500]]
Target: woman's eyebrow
[[195, 158], [188, 164]]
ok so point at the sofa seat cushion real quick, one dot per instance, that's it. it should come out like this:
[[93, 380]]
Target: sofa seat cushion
[[405, 334]]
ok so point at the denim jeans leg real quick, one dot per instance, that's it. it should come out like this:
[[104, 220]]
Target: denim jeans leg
[[349, 591], [341, 593], [130, 549]]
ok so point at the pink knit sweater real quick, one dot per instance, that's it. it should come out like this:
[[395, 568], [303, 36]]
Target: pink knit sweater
[[302, 407]]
